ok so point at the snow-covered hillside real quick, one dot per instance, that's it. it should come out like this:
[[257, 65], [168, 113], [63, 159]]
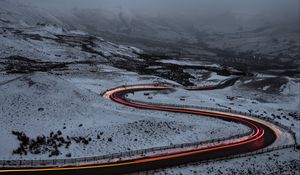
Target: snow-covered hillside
[[51, 81]]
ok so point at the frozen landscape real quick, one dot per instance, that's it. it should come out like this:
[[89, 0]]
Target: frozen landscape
[[53, 75]]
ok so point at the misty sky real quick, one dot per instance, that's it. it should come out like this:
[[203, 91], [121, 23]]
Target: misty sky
[[182, 7], [226, 15]]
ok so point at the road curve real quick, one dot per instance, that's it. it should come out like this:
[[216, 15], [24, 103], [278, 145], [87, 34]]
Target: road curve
[[261, 137]]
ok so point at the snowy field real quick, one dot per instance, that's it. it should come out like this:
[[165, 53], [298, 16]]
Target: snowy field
[[39, 104]]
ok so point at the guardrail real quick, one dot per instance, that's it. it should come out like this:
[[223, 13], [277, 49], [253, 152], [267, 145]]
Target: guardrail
[[36, 163], [109, 157]]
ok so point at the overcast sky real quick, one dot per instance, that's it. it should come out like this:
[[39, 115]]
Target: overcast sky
[[276, 12], [179, 6]]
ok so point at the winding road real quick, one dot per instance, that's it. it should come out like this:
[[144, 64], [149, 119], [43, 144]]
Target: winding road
[[261, 137]]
